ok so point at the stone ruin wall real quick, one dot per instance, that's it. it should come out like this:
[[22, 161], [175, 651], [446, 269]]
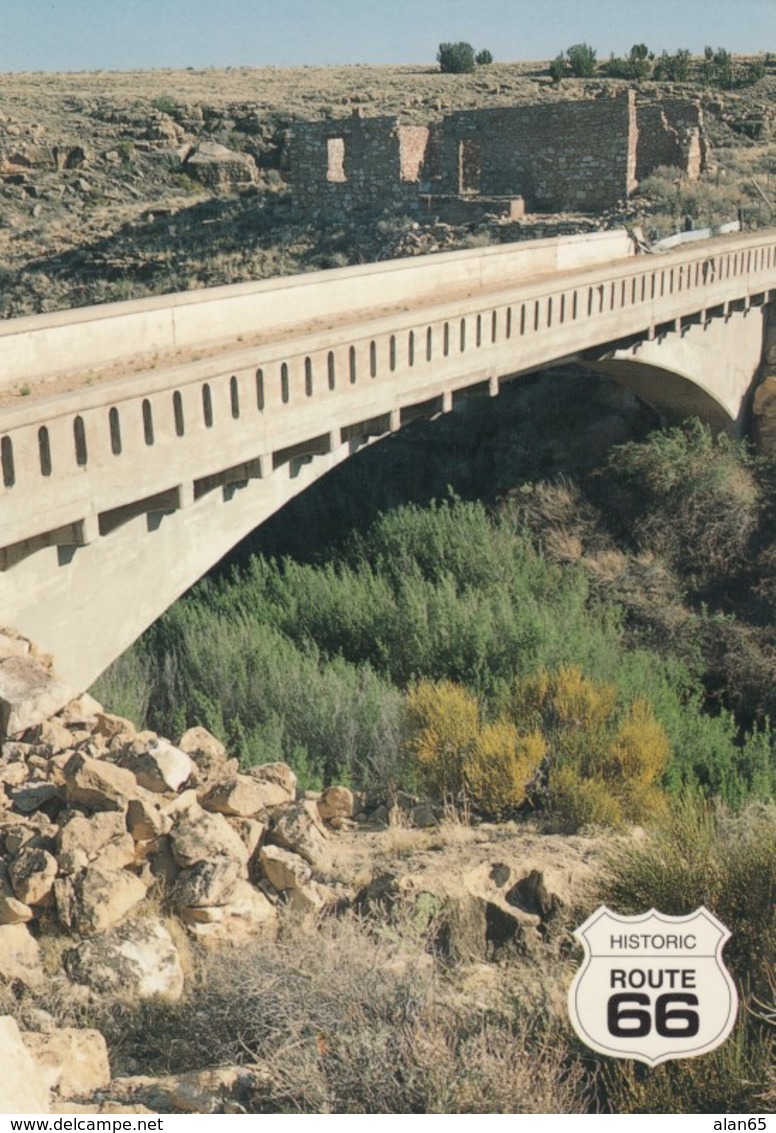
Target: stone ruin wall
[[577, 156], [671, 133], [356, 163], [558, 156]]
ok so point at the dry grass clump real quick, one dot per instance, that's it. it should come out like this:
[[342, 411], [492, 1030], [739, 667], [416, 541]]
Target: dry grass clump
[[345, 1018]]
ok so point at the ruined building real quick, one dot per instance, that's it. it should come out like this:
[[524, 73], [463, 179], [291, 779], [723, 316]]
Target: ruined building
[[579, 156]]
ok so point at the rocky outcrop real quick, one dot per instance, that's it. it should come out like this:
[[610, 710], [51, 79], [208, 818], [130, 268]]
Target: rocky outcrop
[[23, 1087]]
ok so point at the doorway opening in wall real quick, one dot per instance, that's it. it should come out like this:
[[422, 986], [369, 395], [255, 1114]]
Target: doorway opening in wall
[[469, 164], [335, 153]]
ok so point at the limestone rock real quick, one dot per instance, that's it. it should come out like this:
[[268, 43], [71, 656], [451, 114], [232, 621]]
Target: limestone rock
[[22, 1084], [96, 899], [162, 767], [82, 711], [247, 913], [207, 883], [19, 956], [32, 875], [311, 899], [336, 802], [278, 773], [250, 831], [202, 837], [242, 796], [145, 820], [298, 827], [110, 727], [28, 694], [51, 734], [97, 785], [220, 1090], [284, 869], [73, 1062], [94, 834], [31, 796], [221, 169], [134, 960], [208, 755]]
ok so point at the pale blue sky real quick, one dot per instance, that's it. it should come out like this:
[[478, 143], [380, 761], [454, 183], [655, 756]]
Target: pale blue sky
[[72, 35]]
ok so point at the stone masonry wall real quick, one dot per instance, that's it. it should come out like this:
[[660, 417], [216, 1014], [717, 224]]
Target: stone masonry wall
[[671, 133], [578, 155], [565, 155], [356, 163]]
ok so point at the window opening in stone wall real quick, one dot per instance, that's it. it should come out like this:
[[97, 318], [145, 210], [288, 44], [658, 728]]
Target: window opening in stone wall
[[335, 153], [308, 377], [79, 436], [234, 396], [352, 364], [260, 390], [330, 369], [469, 165], [284, 391]]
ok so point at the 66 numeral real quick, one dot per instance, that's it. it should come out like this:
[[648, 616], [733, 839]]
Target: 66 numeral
[[635, 1022]]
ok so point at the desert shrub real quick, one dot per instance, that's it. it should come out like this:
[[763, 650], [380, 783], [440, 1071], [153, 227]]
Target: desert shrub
[[457, 755], [483, 58], [691, 498], [347, 1019], [581, 60], [700, 854], [637, 66], [731, 1079], [456, 58], [558, 68], [674, 68], [605, 760]]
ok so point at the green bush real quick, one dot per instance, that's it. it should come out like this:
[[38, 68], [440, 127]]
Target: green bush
[[582, 60], [695, 499], [456, 58], [704, 855], [483, 58]]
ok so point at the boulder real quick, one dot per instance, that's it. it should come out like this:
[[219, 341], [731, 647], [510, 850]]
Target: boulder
[[284, 869], [222, 170], [208, 755], [32, 795], [73, 1062], [310, 899], [19, 956], [247, 913], [95, 835], [278, 773], [161, 768], [28, 694], [52, 734], [242, 796], [32, 875], [145, 820], [96, 899], [207, 883], [298, 827], [226, 1089], [336, 802], [97, 785], [136, 960], [22, 1083], [202, 837]]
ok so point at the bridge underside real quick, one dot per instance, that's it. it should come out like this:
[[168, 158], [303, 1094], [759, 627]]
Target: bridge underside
[[703, 370]]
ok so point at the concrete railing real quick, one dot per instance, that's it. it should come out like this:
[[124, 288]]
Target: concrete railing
[[89, 337], [75, 467]]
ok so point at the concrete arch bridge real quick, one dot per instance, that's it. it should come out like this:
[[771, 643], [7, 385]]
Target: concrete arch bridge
[[140, 441]]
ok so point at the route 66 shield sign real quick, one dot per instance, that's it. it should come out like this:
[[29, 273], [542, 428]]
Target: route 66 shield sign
[[653, 987]]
